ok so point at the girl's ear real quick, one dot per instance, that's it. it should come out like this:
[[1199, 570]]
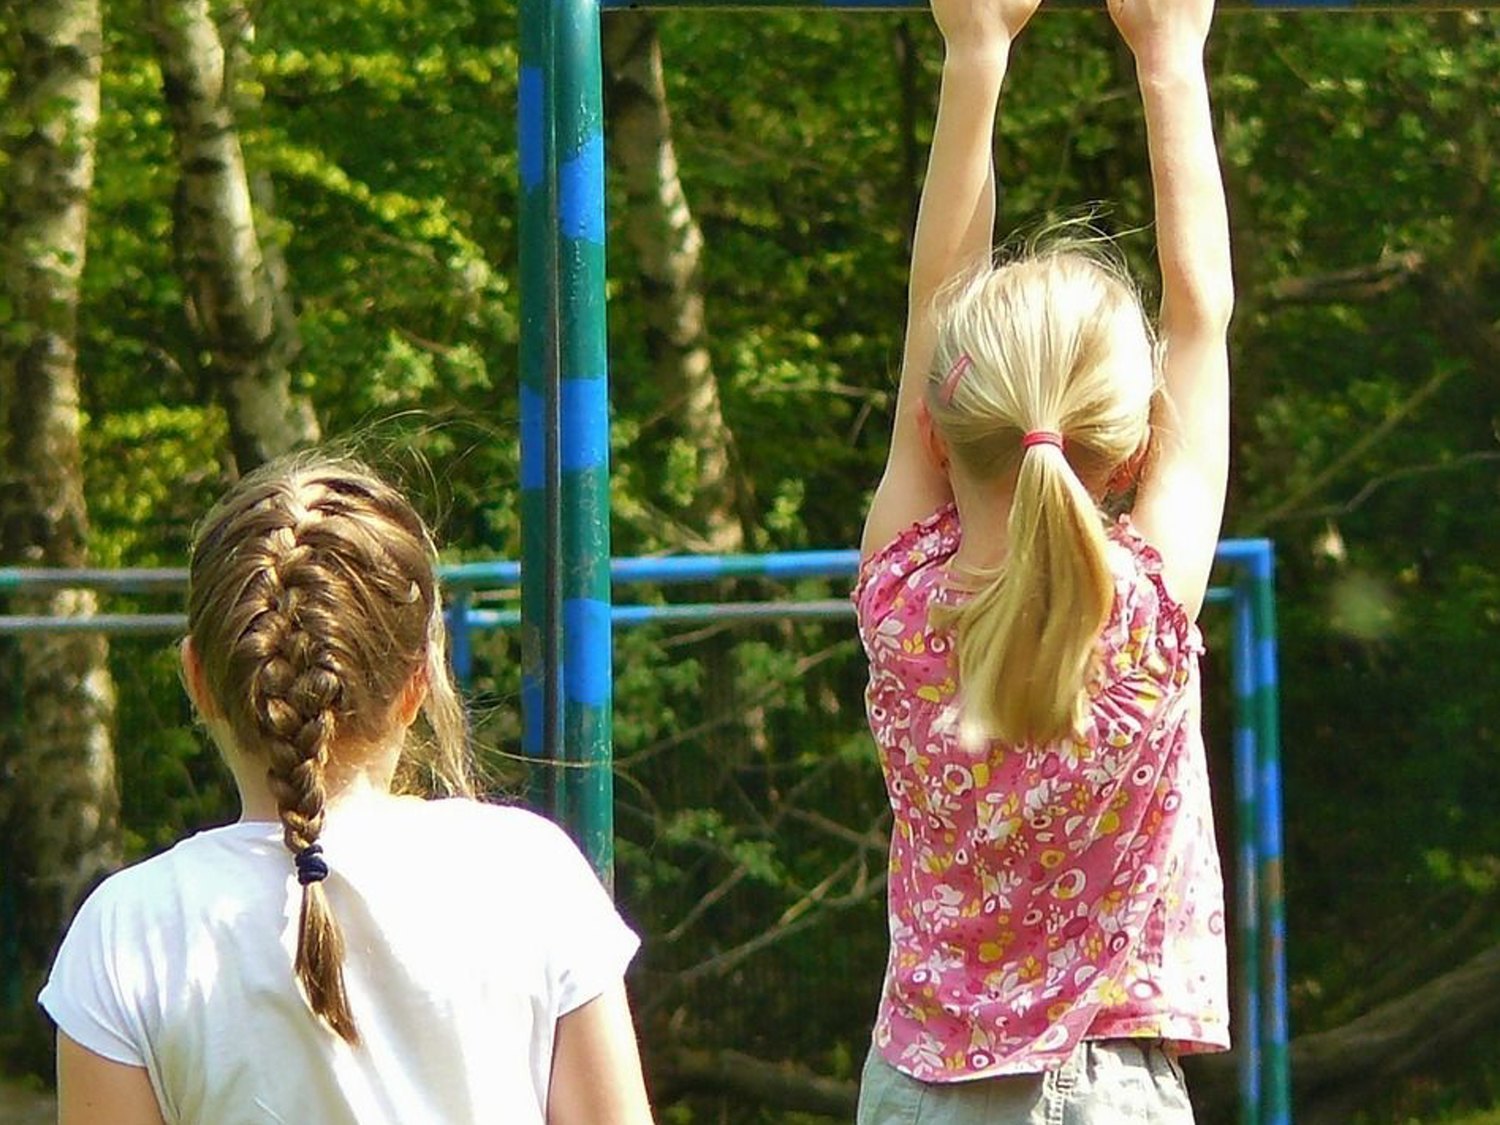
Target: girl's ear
[[413, 696], [932, 440], [1128, 473], [194, 683]]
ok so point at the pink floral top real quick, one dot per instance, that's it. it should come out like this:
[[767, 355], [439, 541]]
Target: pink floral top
[[1042, 893]]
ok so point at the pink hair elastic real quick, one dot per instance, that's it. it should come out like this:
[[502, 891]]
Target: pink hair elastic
[[1041, 437], [955, 373]]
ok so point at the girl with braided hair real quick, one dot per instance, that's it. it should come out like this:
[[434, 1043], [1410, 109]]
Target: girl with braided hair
[[345, 953]]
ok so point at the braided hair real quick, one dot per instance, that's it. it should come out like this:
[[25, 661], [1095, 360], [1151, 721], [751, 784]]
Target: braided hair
[[312, 605]]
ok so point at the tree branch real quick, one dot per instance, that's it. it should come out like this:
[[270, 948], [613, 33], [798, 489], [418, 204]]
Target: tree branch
[[1351, 286], [785, 1086]]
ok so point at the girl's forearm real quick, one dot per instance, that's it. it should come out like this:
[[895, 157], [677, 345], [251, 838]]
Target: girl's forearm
[[956, 217], [1192, 223]]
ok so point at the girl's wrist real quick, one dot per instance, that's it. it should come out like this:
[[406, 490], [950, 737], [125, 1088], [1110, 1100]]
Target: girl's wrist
[[978, 50], [1171, 64]]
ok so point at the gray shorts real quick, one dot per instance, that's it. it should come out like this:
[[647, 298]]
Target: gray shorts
[[1105, 1082]]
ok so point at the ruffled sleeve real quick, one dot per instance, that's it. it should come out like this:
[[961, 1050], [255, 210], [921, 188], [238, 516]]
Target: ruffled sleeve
[[885, 576], [1150, 639]]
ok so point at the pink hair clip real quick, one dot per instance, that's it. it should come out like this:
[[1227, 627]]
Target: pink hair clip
[[955, 373]]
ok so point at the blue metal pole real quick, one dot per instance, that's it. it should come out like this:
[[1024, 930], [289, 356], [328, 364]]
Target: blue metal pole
[[1248, 983], [1273, 1015], [460, 638]]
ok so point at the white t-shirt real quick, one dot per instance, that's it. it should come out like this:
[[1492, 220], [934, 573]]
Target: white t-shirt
[[470, 929]]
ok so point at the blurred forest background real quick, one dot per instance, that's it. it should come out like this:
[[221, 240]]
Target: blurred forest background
[[228, 229]]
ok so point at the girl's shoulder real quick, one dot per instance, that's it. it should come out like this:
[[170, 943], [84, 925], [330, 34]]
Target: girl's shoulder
[[464, 826], [1143, 605], [921, 546], [215, 862]]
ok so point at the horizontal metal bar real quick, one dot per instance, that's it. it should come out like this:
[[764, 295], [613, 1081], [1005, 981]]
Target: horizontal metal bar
[[689, 613], [1073, 5], [501, 574], [122, 580], [112, 624]]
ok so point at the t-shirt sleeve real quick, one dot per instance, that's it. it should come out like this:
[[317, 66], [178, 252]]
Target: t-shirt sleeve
[[83, 993], [590, 945]]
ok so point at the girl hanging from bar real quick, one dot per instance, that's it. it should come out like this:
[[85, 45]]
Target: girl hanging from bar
[[1056, 906]]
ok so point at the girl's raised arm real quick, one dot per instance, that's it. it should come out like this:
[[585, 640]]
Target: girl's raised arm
[[1180, 504], [955, 231]]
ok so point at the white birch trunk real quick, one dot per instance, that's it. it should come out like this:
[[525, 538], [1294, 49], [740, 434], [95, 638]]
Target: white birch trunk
[[59, 830], [234, 280]]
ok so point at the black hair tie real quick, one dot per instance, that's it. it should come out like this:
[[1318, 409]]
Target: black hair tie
[[311, 867]]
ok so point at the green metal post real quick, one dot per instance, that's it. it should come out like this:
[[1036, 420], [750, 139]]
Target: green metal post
[[587, 639], [541, 501], [1248, 998], [1275, 1056]]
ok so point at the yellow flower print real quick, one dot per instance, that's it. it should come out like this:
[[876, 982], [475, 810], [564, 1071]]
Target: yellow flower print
[[992, 951], [1111, 993], [935, 864], [914, 644], [1029, 969]]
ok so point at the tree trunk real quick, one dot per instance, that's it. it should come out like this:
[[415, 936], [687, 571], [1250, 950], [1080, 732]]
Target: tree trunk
[[668, 245], [234, 279], [59, 830]]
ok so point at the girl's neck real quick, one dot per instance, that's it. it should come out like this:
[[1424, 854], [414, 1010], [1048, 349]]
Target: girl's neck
[[984, 518], [370, 778]]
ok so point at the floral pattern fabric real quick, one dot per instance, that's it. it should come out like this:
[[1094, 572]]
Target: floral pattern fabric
[[1041, 894]]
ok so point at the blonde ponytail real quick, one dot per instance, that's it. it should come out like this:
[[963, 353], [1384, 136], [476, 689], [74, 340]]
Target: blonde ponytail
[[1027, 637], [1052, 345]]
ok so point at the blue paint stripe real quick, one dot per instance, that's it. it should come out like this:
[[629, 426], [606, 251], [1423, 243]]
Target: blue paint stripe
[[1268, 811], [531, 704], [533, 438], [460, 648], [1265, 663], [531, 111], [586, 655], [585, 409], [580, 190]]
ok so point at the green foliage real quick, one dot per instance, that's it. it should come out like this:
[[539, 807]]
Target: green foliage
[[1365, 431]]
